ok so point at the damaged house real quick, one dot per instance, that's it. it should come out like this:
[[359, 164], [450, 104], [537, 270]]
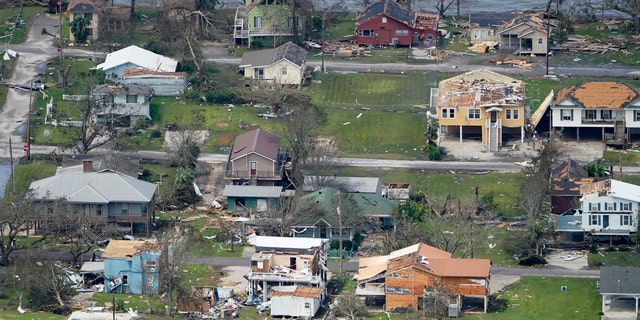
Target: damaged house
[[122, 105], [290, 272], [407, 277], [132, 267], [483, 105]]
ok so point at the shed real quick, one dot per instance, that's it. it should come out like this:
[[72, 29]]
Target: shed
[[300, 302]]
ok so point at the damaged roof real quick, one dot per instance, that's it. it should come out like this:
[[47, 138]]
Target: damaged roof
[[83, 6], [121, 89], [598, 95], [263, 58], [567, 178], [139, 57], [388, 7], [300, 291], [481, 88], [257, 141], [127, 248]]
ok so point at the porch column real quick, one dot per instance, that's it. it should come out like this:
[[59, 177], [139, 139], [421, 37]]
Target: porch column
[[637, 297], [461, 134], [265, 290], [521, 134], [578, 134], [486, 303], [604, 297], [603, 134]]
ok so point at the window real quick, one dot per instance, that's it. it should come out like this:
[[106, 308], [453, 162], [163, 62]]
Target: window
[[625, 206], [566, 115], [132, 98], [625, 220], [590, 114], [284, 71], [605, 114], [384, 19], [609, 206], [99, 210], [125, 279], [636, 115], [151, 265], [366, 33], [88, 16], [507, 114], [539, 40], [89, 31], [448, 113], [307, 305], [258, 73], [257, 22], [593, 206], [479, 34], [516, 114], [594, 220], [474, 113], [292, 21], [402, 32]]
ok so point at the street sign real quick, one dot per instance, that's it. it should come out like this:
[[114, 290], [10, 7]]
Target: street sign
[[59, 48], [25, 148]]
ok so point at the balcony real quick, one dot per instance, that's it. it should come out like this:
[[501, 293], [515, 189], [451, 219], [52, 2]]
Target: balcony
[[285, 277]]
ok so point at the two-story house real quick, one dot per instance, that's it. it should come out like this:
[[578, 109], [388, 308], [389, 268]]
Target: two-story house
[[390, 23], [274, 68], [607, 208], [256, 159], [89, 10], [405, 277], [120, 103], [132, 266], [259, 20], [106, 195], [483, 105], [566, 180], [285, 262], [598, 109]]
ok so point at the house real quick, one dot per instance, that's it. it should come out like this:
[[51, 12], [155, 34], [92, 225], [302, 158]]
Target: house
[[358, 212], [297, 301], [248, 200], [389, 23], [400, 192], [527, 37], [134, 57], [608, 208], [124, 104], [485, 26], [280, 262], [368, 185], [566, 180], [256, 159], [601, 109], [163, 84], [272, 68], [482, 105], [257, 22], [131, 267], [106, 195], [88, 9], [618, 283], [405, 277]]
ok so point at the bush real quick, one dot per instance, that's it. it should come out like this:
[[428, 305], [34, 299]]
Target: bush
[[533, 260], [335, 245], [222, 96], [610, 248], [432, 152], [155, 134], [623, 248], [593, 248]]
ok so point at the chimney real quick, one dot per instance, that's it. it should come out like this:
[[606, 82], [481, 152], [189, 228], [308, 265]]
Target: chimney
[[87, 165]]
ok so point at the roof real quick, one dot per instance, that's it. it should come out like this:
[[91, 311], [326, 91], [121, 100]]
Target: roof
[[264, 242], [568, 223], [142, 72], [388, 7], [567, 177], [621, 280], [300, 291], [347, 184], [321, 205], [262, 58], [139, 57], [598, 94], [121, 89], [257, 141], [481, 88], [94, 187], [426, 257], [82, 6], [252, 191], [92, 267], [485, 19], [614, 188], [127, 248]]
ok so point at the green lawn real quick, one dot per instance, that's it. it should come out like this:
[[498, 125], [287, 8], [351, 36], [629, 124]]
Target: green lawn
[[29, 172], [15, 315], [542, 298], [614, 258]]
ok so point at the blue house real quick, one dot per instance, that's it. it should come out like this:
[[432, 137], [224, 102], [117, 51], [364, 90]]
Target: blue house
[[247, 200], [131, 267]]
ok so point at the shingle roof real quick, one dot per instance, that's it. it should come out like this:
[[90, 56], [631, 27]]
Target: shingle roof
[[252, 191], [599, 94], [567, 178], [259, 141], [121, 89], [390, 8], [485, 19], [262, 58], [94, 187], [619, 280], [480, 88], [139, 57]]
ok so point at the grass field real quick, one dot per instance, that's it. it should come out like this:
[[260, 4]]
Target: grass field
[[29, 172]]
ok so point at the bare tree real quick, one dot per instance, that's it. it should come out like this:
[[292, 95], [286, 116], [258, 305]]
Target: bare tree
[[630, 7], [282, 218], [176, 242], [321, 165], [436, 300], [350, 306], [81, 233], [442, 6]]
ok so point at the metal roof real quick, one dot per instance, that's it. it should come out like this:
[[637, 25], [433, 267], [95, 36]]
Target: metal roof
[[121, 89], [140, 57], [263, 242], [619, 280], [390, 8], [252, 191], [94, 187], [347, 184]]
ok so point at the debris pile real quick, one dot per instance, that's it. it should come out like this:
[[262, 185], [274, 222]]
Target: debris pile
[[345, 50], [518, 63], [577, 43]]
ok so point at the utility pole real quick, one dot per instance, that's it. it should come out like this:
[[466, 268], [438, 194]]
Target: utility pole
[[548, 37], [339, 209], [29, 122]]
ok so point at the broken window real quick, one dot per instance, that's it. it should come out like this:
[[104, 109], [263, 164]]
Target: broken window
[[474, 113]]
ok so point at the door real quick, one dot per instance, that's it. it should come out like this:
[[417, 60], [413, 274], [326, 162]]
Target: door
[[494, 116], [254, 168], [605, 221]]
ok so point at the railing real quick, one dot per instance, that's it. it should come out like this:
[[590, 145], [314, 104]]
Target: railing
[[246, 174], [374, 287], [126, 217], [289, 277]]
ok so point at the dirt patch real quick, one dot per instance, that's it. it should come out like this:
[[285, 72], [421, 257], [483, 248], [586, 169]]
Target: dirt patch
[[325, 144], [573, 259], [224, 139], [222, 124]]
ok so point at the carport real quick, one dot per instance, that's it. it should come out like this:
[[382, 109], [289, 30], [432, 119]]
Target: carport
[[618, 284]]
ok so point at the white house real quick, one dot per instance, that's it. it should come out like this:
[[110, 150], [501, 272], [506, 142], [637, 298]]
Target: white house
[[132, 57], [604, 109], [296, 301], [282, 66], [121, 102], [607, 208]]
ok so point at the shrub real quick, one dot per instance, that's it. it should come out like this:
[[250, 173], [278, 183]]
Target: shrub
[[155, 134], [593, 248], [533, 260], [610, 248], [222, 96], [432, 152], [623, 248]]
